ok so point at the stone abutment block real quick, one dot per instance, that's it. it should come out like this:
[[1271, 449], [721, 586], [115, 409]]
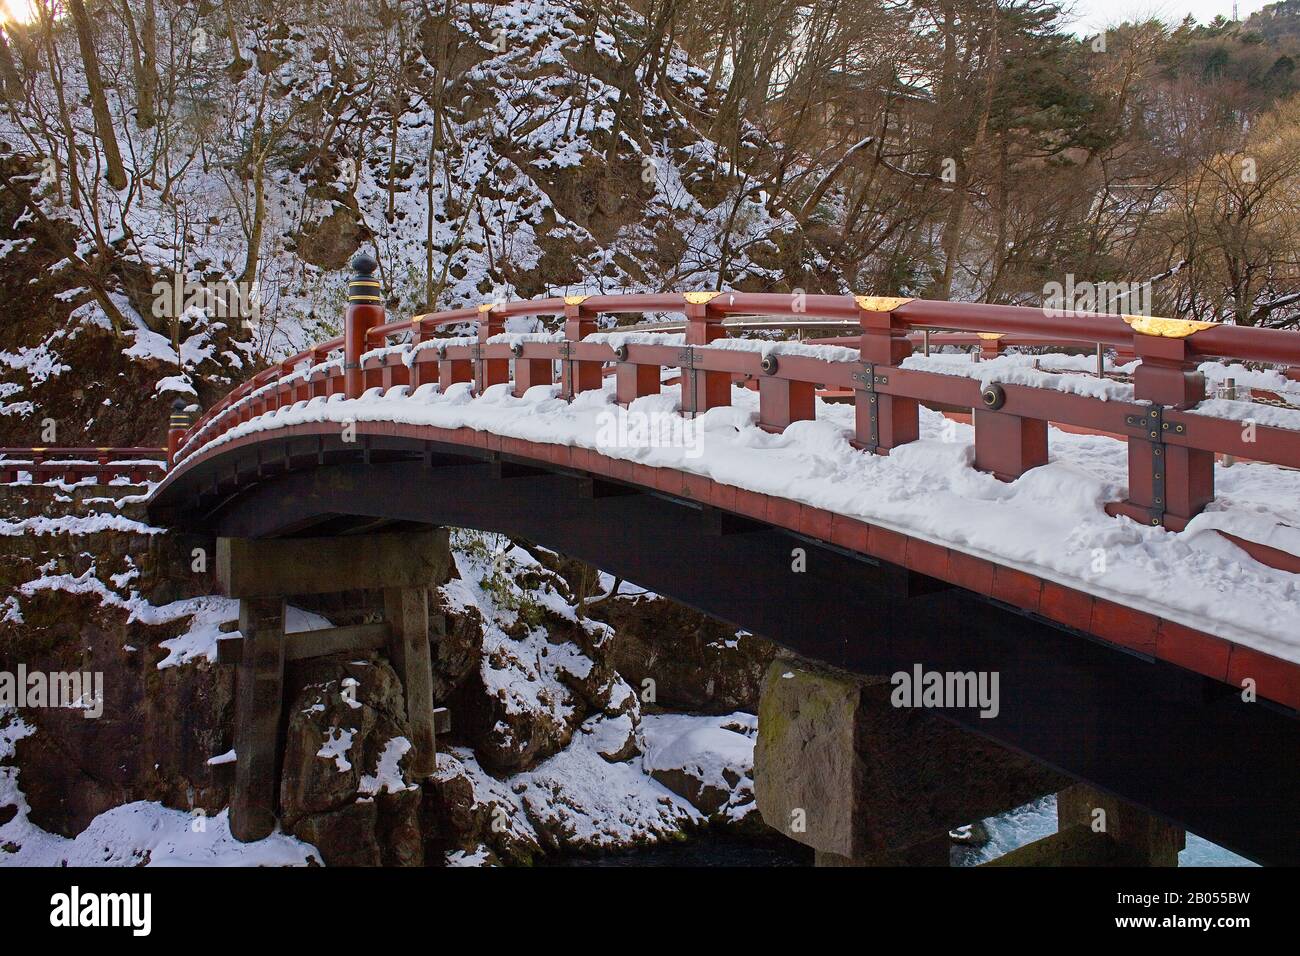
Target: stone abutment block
[[839, 768]]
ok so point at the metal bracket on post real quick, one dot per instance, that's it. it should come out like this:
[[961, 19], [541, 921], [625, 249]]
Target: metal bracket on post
[[1154, 427], [476, 356], [686, 362], [568, 373], [867, 379]]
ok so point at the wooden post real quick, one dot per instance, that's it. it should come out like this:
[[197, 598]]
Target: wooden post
[[578, 324], [365, 311], [489, 372], [1230, 394], [530, 372], [180, 423], [781, 401], [1008, 445], [317, 383], [394, 372], [259, 684], [407, 611], [259, 573], [883, 421], [424, 368], [451, 371], [990, 345], [635, 381], [1167, 484], [702, 390]]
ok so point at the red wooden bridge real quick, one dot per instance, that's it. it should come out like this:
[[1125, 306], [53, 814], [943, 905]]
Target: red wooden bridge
[[1146, 705]]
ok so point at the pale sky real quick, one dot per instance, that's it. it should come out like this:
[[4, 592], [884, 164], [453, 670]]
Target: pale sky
[[1092, 16]]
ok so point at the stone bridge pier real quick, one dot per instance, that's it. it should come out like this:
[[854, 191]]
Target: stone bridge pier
[[839, 768], [263, 575]]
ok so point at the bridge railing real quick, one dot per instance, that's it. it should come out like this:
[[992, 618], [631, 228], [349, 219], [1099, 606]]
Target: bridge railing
[[1171, 449], [73, 465]]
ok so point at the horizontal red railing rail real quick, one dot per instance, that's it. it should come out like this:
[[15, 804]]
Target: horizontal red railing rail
[[1172, 449]]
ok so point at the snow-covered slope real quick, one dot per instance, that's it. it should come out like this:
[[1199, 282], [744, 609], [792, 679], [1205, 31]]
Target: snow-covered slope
[[471, 152]]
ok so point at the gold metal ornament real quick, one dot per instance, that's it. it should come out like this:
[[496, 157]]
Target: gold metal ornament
[[1165, 328], [700, 298], [879, 303]]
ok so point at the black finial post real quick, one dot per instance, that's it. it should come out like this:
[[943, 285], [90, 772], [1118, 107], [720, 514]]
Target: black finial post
[[365, 311], [177, 426]]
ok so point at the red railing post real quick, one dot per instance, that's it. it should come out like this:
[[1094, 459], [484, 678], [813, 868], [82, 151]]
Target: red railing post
[[1006, 445], [365, 311], [313, 386], [782, 401], [530, 371], [634, 381], [489, 372], [451, 371], [702, 389], [883, 421], [577, 376], [373, 375], [278, 397], [426, 372], [396, 372], [296, 389], [1167, 484], [177, 426], [990, 345]]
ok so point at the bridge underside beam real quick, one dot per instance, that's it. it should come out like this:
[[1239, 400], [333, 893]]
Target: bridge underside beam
[[1131, 726], [248, 568]]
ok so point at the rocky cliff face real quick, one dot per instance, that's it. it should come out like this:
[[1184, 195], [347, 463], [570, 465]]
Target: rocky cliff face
[[89, 586], [567, 733], [345, 787]]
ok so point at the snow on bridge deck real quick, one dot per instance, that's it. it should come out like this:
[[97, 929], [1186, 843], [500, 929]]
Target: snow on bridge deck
[[1051, 522]]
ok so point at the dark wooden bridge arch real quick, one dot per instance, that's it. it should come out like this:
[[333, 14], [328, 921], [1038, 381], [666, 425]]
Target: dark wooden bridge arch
[[1145, 708]]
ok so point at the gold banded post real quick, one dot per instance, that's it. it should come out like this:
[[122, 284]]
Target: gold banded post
[[363, 287]]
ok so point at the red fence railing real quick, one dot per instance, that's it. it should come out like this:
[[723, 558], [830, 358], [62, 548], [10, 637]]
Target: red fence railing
[[73, 465], [1171, 450]]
